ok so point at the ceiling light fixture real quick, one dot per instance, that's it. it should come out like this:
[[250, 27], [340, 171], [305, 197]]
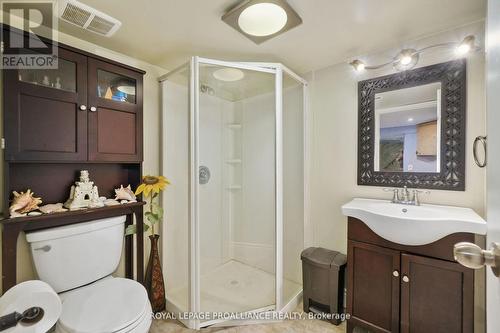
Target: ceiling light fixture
[[260, 20], [408, 58], [228, 74]]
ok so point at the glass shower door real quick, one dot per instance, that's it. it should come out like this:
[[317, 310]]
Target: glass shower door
[[236, 190]]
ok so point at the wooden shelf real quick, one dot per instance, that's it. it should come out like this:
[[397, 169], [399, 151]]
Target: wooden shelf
[[12, 227], [88, 214]]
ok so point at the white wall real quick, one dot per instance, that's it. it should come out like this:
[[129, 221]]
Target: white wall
[[253, 227], [334, 113]]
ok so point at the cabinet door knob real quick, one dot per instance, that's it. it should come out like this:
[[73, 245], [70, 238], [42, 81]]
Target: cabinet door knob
[[93, 109], [395, 273], [83, 107], [406, 279]]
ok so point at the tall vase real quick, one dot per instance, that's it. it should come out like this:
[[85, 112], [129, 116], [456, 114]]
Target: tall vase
[[154, 278]]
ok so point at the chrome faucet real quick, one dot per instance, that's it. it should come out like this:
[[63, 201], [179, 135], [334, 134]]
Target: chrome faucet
[[402, 196]]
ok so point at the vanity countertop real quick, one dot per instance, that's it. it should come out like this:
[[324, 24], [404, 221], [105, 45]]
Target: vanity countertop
[[414, 225]]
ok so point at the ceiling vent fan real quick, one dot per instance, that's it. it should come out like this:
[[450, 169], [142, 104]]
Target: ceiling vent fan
[[88, 18]]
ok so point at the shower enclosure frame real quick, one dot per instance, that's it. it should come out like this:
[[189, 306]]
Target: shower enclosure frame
[[278, 70]]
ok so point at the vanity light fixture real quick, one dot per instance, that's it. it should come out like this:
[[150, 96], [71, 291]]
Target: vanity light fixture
[[466, 45], [408, 58], [260, 20]]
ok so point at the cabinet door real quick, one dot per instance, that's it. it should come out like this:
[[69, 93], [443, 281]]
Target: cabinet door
[[373, 287], [115, 113], [427, 139], [43, 119], [436, 296]]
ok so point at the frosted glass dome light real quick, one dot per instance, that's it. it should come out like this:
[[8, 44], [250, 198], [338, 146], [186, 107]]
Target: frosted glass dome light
[[228, 74], [262, 19]]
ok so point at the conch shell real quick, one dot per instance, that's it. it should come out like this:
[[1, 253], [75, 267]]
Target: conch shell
[[125, 193], [52, 208], [23, 203]]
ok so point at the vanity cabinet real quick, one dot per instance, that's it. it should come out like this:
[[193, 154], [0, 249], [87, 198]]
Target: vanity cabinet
[[88, 109], [373, 288], [398, 288]]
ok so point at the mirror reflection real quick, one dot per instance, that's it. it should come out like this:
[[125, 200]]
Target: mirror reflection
[[407, 129]]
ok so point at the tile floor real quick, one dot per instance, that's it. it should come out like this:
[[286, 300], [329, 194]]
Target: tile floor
[[288, 326]]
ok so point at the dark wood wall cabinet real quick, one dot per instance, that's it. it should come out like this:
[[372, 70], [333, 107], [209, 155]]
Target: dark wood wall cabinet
[[397, 288], [86, 110], [86, 114]]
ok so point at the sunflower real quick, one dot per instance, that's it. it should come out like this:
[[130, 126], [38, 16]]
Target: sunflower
[[152, 184]]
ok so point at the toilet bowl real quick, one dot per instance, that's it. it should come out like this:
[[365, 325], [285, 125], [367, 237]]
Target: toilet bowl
[[77, 261], [113, 305]]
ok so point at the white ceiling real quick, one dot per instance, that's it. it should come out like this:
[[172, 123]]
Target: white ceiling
[[168, 32]]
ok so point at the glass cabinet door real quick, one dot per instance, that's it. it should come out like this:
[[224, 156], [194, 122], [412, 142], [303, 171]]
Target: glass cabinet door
[[116, 87], [62, 78], [46, 111], [115, 117]]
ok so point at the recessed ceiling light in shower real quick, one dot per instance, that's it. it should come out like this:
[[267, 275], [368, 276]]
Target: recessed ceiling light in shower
[[228, 74], [260, 20]]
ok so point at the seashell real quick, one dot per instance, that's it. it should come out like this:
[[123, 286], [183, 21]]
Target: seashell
[[124, 193], [24, 203], [52, 208], [35, 213], [111, 202]]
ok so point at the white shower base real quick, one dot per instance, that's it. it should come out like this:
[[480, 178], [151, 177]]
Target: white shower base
[[235, 287]]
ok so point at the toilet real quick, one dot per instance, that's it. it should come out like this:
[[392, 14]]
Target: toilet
[[77, 262]]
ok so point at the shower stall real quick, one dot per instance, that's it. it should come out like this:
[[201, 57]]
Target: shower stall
[[235, 151]]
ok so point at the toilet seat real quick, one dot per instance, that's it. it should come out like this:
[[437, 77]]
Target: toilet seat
[[114, 305]]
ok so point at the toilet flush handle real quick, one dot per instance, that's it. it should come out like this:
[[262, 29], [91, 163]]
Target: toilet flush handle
[[45, 248]]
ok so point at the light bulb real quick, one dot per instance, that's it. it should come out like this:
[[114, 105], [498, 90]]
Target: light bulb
[[358, 65], [465, 46], [410, 119], [405, 60]]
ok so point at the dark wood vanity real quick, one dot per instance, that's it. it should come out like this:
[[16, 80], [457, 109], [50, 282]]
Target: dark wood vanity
[[398, 288], [86, 114]]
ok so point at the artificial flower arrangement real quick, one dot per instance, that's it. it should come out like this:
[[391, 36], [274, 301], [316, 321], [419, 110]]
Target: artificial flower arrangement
[[150, 188]]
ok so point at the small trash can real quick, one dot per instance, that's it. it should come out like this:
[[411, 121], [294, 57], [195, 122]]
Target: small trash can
[[323, 274]]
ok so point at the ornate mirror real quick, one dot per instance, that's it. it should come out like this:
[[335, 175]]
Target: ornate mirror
[[411, 128]]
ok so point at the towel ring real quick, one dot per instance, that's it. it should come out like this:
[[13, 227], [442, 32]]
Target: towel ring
[[478, 139]]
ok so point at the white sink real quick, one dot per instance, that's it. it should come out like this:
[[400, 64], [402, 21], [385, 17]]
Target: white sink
[[414, 225]]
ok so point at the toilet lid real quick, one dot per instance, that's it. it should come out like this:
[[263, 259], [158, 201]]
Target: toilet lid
[[107, 306]]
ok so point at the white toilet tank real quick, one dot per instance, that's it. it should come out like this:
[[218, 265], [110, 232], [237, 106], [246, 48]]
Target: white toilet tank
[[75, 255]]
